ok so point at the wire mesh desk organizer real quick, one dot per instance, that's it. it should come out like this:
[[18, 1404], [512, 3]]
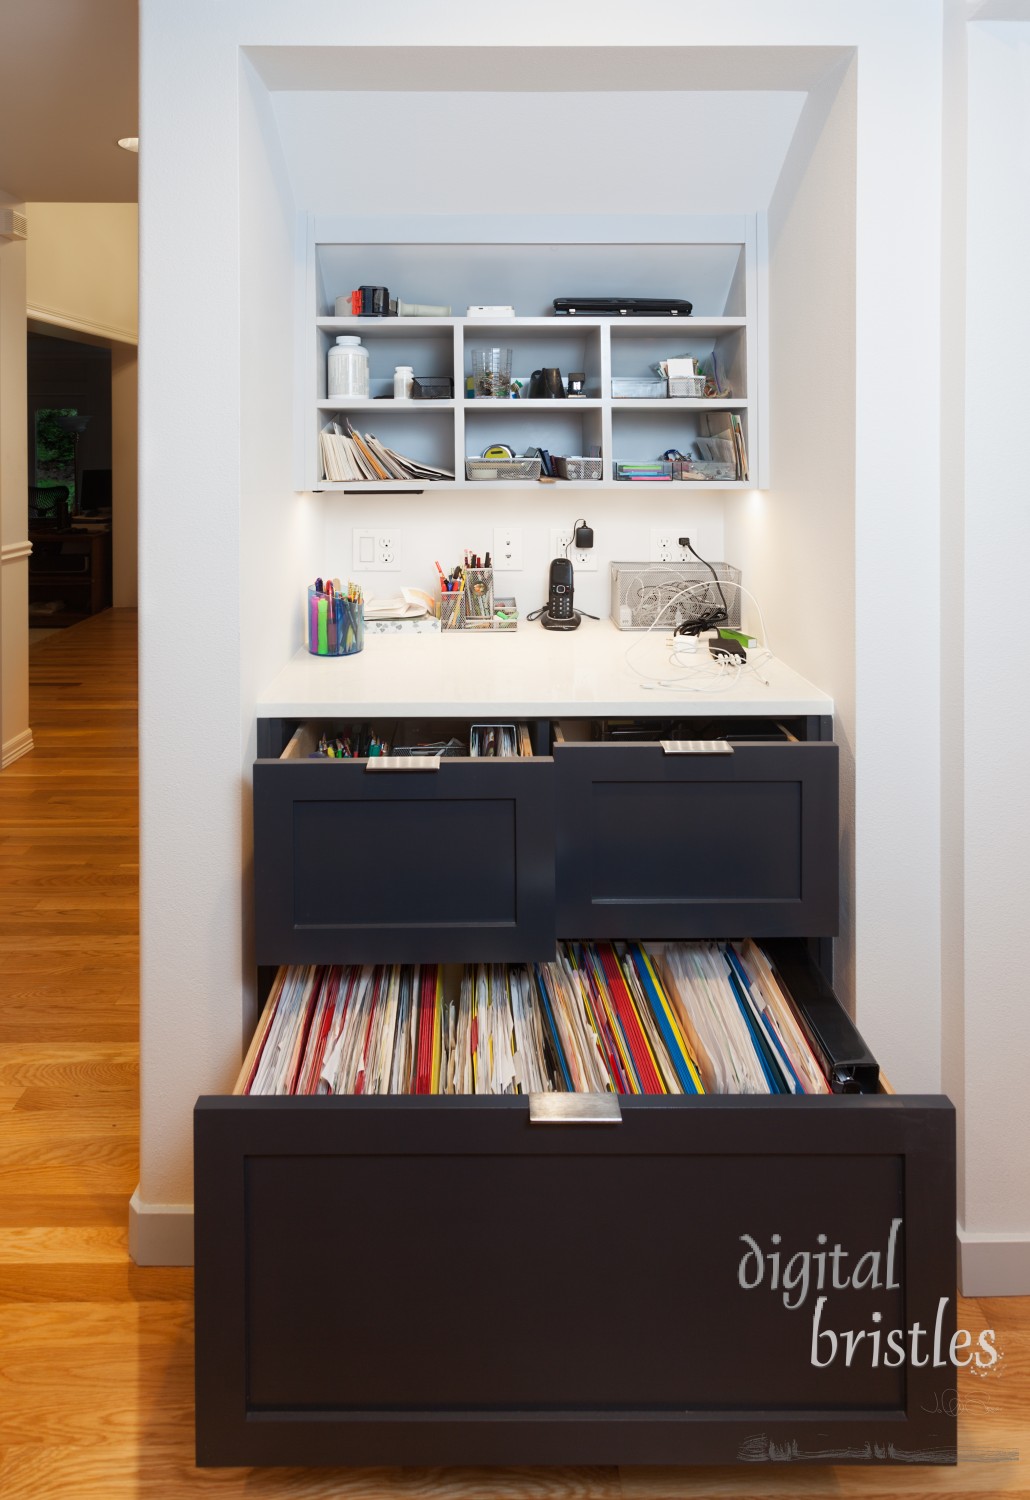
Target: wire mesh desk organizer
[[672, 595], [478, 595]]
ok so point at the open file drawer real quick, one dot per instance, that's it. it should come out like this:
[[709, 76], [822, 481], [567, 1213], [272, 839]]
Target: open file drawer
[[438, 1280], [683, 839], [412, 859]]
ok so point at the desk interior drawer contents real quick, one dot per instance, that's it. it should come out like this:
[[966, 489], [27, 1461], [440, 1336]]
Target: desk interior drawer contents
[[686, 837], [623, 1018], [404, 839]]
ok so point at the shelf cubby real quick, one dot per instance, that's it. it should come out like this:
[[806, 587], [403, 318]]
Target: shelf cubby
[[417, 429], [427, 344], [643, 430], [636, 346], [538, 344], [562, 427]]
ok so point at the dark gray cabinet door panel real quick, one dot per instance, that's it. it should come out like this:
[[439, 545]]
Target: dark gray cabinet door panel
[[352, 866], [664, 846], [413, 1280]]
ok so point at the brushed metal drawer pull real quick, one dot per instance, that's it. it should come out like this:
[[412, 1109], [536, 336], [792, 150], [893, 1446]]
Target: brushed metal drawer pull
[[696, 747], [574, 1109], [403, 763]]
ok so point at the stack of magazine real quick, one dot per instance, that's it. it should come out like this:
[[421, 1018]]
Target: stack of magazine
[[624, 1018], [721, 448], [350, 455]]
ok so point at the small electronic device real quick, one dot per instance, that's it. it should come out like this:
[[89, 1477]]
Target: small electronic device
[[727, 650], [614, 307], [559, 614]]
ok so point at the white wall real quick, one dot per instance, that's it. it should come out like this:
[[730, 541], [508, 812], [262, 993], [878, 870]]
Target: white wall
[[191, 393], [897, 522], [795, 542], [953, 572], [277, 524], [82, 268], [732, 145], [15, 734], [995, 544], [190, 619]]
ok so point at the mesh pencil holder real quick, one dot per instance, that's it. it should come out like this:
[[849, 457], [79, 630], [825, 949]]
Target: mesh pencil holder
[[478, 595], [452, 614]]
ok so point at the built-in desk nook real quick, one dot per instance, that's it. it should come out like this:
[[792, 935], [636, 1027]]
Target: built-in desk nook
[[454, 1278]]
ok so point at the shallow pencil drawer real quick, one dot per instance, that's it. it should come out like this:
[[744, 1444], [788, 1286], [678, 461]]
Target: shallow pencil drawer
[[688, 838], [404, 858]]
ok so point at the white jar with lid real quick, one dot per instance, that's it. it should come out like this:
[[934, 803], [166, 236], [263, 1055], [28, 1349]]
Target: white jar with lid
[[403, 379], [348, 368]]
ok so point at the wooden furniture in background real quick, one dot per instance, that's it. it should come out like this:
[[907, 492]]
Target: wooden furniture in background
[[73, 567]]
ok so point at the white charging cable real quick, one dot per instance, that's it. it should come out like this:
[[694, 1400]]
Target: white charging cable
[[719, 674]]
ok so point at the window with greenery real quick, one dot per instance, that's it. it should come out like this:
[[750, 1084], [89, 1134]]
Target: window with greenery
[[55, 450]]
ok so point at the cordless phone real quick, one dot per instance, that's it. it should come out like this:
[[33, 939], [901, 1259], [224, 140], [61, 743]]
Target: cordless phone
[[560, 614]]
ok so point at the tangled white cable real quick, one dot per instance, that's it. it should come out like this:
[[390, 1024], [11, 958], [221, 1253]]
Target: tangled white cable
[[717, 675]]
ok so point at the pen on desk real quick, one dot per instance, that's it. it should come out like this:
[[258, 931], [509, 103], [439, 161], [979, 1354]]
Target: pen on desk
[[323, 634], [331, 624]]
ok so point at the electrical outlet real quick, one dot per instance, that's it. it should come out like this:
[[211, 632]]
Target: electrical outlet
[[583, 559], [665, 546], [376, 551], [506, 554]]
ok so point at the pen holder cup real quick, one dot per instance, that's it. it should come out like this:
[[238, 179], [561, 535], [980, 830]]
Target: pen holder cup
[[451, 612], [478, 594], [336, 626]]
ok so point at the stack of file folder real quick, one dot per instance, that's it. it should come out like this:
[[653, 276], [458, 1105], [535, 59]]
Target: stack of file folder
[[624, 1018]]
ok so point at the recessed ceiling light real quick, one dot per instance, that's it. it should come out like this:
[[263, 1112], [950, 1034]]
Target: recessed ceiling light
[[129, 143]]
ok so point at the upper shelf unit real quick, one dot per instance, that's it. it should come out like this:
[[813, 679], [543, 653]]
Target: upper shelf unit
[[717, 276]]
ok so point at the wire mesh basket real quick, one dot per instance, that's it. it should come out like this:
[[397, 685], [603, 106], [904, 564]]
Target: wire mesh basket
[[640, 388], [452, 611], [577, 468], [481, 469], [668, 594], [478, 594], [686, 385]]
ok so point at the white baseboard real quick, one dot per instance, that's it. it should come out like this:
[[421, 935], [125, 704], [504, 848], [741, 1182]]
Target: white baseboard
[[15, 748], [160, 1234], [994, 1265]]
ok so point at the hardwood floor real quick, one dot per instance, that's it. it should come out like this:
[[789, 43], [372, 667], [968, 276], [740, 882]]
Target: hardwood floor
[[96, 1354]]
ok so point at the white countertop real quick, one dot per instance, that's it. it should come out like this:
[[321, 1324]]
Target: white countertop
[[529, 672]]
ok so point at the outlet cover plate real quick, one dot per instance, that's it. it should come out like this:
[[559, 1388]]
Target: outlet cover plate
[[665, 546], [583, 559], [506, 554], [376, 551]]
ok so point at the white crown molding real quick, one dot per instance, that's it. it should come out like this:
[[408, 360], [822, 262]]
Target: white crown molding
[[58, 319]]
